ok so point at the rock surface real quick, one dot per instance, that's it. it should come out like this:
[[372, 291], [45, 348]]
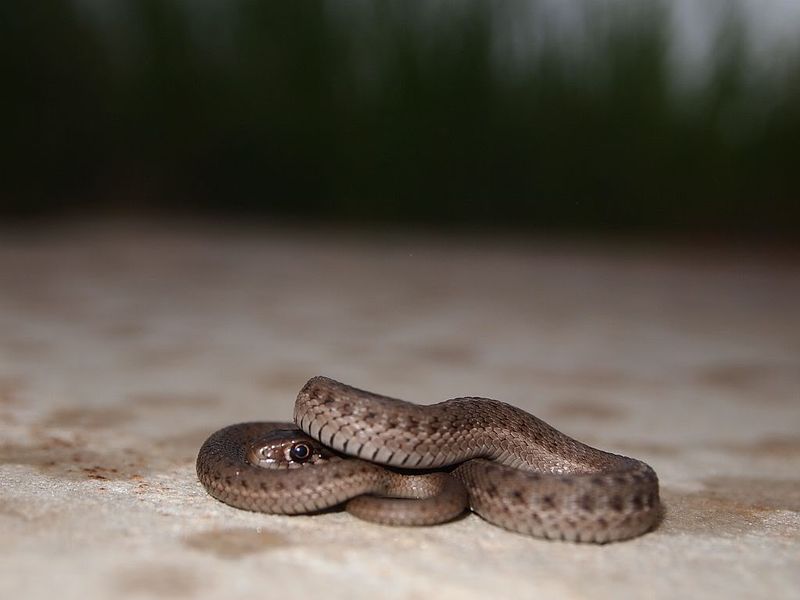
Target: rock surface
[[122, 346]]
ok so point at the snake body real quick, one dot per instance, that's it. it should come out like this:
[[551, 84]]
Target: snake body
[[513, 469]]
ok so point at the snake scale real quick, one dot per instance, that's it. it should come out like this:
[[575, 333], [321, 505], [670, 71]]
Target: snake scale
[[399, 463]]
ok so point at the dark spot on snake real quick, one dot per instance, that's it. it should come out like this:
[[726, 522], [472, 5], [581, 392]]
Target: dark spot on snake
[[616, 503], [599, 481], [620, 480], [391, 425], [518, 496], [602, 523], [651, 500], [263, 486], [637, 502], [586, 502], [491, 490], [370, 415], [228, 481], [278, 486], [244, 483], [548, 502]]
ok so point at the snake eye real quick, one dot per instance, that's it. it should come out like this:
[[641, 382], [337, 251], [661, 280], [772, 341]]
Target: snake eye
[[300, 452]]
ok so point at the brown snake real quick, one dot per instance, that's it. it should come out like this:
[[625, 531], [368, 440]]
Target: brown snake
[[513, 469]]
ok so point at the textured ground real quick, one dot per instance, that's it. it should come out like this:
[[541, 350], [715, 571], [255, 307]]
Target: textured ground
[[123, 346]]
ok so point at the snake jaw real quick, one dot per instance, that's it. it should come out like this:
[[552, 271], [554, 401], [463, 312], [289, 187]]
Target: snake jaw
[[278, 449]]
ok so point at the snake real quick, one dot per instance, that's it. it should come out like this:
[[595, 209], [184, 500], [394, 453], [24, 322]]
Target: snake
[[393, 462]]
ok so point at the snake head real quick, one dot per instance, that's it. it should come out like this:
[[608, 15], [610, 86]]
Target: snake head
[[286, 449]]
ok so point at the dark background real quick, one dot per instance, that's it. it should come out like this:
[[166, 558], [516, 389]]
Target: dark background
[[394, 112]]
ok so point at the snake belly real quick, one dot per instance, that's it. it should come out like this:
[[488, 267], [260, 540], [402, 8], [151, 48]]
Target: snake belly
[[518, 472]]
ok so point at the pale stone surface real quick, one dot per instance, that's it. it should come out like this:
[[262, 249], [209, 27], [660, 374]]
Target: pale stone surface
[[123, 346]]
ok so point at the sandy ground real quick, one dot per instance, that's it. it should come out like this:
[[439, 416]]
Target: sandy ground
[[122, 346]]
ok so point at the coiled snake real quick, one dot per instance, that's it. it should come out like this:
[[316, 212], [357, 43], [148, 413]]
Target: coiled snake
[[513, 469]]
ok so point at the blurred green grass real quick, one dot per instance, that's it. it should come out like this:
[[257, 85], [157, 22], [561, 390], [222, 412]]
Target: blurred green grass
[[286, 109]]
